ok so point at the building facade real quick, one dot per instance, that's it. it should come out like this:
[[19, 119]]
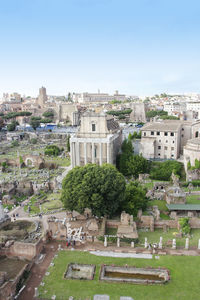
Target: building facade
[[165, 139], [98, 140], [42, 98]]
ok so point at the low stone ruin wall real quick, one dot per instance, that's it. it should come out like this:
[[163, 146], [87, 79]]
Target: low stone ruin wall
[[112, 223], [8, 289], [23, 250], [168, 223]]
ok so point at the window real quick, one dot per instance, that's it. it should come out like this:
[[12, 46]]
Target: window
[[158, 132], [166, 141], [152, 132], [166, 133], [159, 141], [166, 148], [182, 135], [173, 142], [172, 133], [95, 152], [93, 127], [158, 154], [172, 148], [182, 129], [172, 155], [159, 147], [144, 134], [196, 134]]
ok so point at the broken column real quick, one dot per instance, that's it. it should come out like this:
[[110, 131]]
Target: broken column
[[187, 243], [174, 244], [118, 242], [145, 243], [105, 241], [36, 292], [132, 244], [160, 245]]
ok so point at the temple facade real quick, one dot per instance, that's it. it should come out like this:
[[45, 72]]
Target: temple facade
[[98, 140]]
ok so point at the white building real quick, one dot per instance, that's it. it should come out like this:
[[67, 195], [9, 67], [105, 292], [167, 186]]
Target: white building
[[97, 141], [97, 97], [165, 139]]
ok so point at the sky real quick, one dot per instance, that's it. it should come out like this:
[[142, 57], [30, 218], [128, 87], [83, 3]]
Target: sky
[[139, 47]]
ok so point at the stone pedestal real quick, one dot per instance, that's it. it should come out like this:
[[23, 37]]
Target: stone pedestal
[[118, 242], [160, 245], [187, 243], [174, 244], [105, 241]]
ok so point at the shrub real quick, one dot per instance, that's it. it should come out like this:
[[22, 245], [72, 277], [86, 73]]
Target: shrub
[[15, 143], [52, 150], [33, 141], [185, 226]]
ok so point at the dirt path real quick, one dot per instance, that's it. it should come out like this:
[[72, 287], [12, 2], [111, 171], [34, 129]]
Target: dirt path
[[38, 271]]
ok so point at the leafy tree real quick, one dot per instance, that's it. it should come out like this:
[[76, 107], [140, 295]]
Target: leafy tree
[[33, 141], [48, 114], [68, 143], [154, 113], [15, 143], [185, 226], [189, 165], [169, 118], [135, 198], [1, 123], [100, 188], [197, 164], [129, 164], [12, 126], [35, 122], [163, 170], [46, 120], [138, 165], [52, 150]]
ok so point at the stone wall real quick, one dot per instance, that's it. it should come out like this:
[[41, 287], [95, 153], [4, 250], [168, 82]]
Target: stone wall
[[23, 250]]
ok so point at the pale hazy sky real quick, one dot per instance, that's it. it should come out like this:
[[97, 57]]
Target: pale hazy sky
[[139, 47]]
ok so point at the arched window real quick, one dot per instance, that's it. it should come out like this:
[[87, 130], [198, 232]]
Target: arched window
[[196, 134]]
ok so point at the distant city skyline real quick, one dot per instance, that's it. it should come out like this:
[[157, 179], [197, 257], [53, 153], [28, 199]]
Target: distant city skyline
[[137, 47]]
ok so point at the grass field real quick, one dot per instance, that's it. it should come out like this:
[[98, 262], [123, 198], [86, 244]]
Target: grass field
[[184, 283], [193, 199], [153, 237]]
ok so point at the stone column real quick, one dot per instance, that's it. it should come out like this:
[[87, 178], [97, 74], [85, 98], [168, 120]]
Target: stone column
[[105, 241], [145, 243], [100, 154], [72, 154], [132, 244], [93, 153], [118, 242], [174, 244], [77, 154], [160, 245], [199, 244], [187, 243], [36, 292], [108, 152], [85, 153]]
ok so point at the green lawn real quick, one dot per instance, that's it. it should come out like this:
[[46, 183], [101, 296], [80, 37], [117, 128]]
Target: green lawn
[[193, 199], [160, 203], [63, 162], [184, 283], [153, 237]]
